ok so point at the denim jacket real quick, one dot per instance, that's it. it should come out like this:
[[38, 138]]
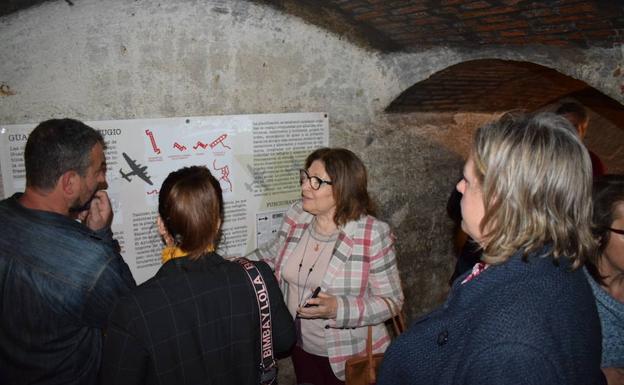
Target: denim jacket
[[58, 283]]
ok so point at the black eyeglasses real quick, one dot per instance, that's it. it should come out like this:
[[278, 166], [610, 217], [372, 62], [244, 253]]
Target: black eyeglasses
[[617, 231], [315, 181]]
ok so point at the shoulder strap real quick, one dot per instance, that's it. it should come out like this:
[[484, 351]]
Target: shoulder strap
[[267, 360], [398, 321]]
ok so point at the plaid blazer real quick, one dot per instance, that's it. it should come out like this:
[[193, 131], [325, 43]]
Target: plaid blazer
[[194, 322], [361, 272]]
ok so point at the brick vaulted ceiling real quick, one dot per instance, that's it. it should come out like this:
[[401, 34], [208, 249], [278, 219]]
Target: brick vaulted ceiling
[[411, 25], [487, 86], [480, 85]]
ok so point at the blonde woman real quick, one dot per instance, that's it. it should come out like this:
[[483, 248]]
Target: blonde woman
[[525, 314]]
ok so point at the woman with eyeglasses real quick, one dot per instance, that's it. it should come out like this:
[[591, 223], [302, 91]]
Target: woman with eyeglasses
[[332, 241], [606, 271]]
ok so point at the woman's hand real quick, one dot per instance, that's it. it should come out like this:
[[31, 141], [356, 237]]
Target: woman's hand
[[326, 305]]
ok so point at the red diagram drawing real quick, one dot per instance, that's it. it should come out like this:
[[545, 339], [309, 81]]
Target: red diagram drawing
[[179, 146], [150, 134], [200, 144], [220, 141], [152, 192], [225, 173]]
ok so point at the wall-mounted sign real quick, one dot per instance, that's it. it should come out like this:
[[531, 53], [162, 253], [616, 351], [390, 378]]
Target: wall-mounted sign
[[256, 159]]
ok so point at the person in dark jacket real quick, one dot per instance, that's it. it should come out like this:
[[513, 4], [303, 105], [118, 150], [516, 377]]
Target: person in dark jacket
[[59, 277], [197, 320], [525, 314]]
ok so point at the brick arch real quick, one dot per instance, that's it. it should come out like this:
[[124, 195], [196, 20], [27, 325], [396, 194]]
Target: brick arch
[[494, 85]]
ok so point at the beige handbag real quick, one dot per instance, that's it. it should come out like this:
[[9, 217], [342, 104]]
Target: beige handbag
[[362, 370]]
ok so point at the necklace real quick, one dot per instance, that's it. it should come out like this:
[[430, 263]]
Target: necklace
[[302, 291]]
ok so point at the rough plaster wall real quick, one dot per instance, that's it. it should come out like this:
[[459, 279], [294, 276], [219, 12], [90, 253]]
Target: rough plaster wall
[[123, 59], [130, 59]]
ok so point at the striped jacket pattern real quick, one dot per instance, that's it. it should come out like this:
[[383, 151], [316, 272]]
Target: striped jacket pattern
[[362, 271]]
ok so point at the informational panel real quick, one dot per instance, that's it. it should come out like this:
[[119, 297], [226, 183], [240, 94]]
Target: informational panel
[[256, 159]]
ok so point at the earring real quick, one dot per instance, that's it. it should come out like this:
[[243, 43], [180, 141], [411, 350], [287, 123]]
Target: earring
[[162, 230]]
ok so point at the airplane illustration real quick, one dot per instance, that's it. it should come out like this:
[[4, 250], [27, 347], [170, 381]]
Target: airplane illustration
[[137, 170]]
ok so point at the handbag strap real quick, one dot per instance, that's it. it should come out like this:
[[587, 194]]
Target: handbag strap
[[398, 324], [369, 355], [267, 360], [398, 321]]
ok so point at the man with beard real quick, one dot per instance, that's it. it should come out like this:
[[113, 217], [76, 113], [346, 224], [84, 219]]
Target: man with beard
[[59, 278]]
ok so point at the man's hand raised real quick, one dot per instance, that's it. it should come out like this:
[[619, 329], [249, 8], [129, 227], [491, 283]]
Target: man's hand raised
[[100, 213]]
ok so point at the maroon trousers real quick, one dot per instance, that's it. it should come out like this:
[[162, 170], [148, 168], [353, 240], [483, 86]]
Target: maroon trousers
[[312, 369]]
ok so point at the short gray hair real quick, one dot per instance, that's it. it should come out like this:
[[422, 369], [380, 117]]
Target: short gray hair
[[57, 146]]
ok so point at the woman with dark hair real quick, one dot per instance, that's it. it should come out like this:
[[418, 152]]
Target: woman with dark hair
[[197, 320], [525, 314], [332, 241], [606, 271]]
